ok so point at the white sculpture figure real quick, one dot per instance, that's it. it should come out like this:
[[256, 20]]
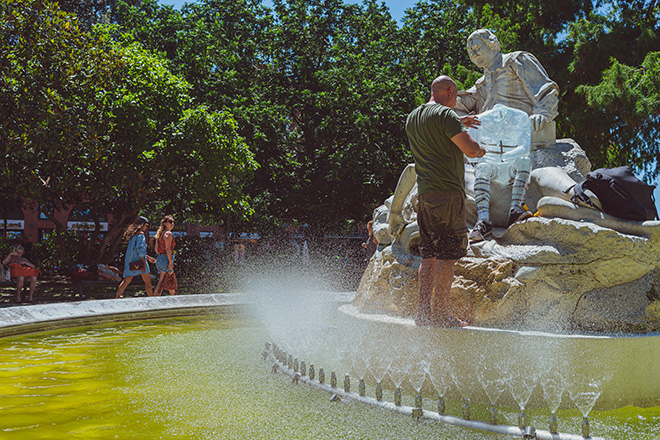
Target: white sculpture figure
[[515, 79], [505, 133]]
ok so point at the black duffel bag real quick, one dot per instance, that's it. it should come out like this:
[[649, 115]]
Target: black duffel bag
[[620, 193]]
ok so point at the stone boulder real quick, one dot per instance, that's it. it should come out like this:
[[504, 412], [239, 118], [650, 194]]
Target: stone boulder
[[549, 274]]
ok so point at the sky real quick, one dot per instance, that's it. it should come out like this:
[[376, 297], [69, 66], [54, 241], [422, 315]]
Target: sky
[[397, 9]]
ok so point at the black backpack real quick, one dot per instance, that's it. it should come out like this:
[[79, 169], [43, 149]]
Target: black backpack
[[621, 193]]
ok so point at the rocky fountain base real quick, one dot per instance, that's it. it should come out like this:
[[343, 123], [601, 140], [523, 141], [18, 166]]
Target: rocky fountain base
[[545, 274]]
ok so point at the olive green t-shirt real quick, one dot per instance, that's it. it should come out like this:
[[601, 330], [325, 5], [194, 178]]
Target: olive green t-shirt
[[438, 161]]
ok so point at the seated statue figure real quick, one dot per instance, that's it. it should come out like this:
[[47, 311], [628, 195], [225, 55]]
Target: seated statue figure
[[515, 79], [505, 133]]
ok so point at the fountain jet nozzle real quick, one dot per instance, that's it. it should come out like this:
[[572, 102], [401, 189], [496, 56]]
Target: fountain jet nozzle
[[586, 429], [397, 396], [362, 388], [553, 424], [441, 405], [466, 409], [492, 415]]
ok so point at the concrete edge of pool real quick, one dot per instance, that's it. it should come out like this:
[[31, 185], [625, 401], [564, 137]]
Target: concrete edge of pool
[[41, 317]]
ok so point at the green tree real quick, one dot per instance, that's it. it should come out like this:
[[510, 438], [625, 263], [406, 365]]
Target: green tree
[[86, 119], [629, 101], [611, 125], [335, 69]]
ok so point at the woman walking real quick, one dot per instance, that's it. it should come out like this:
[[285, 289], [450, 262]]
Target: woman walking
[[165, 260], [135, 261]]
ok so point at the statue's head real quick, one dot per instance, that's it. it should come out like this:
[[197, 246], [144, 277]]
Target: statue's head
[[483, 47]]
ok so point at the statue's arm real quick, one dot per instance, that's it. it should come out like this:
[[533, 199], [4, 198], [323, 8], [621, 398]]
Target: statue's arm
[[467, 101], [544, 91], [403, 188]]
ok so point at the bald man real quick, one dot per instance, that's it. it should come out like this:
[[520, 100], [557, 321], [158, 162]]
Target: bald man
[[438, 139]]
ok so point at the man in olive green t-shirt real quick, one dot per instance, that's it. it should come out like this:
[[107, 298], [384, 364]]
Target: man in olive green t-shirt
[[438, 139]]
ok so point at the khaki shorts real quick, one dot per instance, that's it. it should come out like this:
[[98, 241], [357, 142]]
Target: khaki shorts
[[442, 229]]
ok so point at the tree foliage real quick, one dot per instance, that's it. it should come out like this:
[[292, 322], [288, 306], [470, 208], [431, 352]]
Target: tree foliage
[[85, 118], [316, 92]]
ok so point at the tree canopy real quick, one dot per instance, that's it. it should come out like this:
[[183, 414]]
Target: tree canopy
[[295, 113], [88, 118]]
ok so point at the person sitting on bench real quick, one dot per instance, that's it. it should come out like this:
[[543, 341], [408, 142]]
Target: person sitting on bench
[[109, 273], [16, 257]]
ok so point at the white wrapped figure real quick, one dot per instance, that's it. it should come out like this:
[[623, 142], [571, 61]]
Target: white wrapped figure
[[505, 133]]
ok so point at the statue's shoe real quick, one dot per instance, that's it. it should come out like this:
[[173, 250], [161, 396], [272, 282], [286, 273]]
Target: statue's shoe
[[481, 230]]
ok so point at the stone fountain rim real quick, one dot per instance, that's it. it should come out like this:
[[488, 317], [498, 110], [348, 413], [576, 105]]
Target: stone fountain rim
[[352, 311], [44, 317]]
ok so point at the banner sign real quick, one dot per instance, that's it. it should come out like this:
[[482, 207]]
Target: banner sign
[[86, 226], [13, 224]]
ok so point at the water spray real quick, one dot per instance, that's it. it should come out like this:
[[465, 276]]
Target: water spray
[[528, 432]]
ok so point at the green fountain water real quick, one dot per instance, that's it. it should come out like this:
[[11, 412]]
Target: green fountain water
[[203, 378]]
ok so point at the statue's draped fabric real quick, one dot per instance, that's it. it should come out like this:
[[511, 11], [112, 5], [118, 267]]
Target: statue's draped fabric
[[521, 82]]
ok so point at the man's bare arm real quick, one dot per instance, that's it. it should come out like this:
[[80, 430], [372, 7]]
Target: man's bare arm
[[468, 145]]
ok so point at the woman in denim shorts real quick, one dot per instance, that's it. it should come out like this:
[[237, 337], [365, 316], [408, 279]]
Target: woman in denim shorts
[[165, 261]]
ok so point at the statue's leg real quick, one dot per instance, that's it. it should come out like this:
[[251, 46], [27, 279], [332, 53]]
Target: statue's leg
[[483, 173], [520, 170]]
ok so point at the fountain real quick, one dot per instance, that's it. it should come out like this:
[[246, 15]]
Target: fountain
[[436, 352], [564, 303]]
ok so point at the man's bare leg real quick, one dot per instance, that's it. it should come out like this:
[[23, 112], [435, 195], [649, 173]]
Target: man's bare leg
[[426, 277], [438, 274], [444, 277]]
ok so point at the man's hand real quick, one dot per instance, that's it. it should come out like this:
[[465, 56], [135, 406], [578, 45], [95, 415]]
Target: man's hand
[[396, 223], [471, 121], [537, 122]]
